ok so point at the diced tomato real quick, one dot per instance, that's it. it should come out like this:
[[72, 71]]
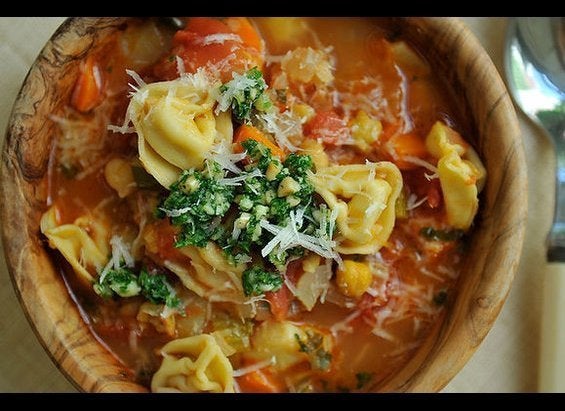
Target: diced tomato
[[279, 302], [328, 127], [247, 132], [232, 44], [260, 381], [294, 271], [89, 87]]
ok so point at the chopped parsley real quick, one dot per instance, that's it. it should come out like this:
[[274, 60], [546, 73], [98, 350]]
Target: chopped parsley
[[196, 199], [257, 281], [440, 298], [268, 209], [244, 93], [313, 346], [124, 283], [433, 234], [362, 379]]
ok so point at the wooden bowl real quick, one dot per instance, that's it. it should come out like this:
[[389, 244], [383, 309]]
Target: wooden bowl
[[489, 266]]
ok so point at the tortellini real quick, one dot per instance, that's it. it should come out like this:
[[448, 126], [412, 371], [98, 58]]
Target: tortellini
[[85, 252], [193, 364], [176, 124], [153, 314], [278, 340], [461, 174], [209, 274], [364, 196]]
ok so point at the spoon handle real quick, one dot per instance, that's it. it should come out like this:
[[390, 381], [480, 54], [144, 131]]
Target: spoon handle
[[553, 121], [552, 352]]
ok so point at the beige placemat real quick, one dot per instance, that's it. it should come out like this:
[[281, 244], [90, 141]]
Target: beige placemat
[[505, 362]]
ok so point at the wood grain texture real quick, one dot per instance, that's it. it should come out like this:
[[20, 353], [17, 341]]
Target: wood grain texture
[[489, 266]]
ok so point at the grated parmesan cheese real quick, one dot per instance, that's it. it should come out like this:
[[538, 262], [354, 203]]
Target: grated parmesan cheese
[[419, 162], [412, 202], [289, 237], [235, 87], [223, 154], [255, 367], [120, 252], [218, 38], [282, 126], [236, 181]]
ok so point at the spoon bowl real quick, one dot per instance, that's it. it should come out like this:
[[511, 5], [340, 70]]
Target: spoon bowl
[[535, 73]]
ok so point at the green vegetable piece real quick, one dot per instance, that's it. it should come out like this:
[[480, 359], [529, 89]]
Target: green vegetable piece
[[69, 170], [157, 289], [298, 164], [433, 234], [257, 281], [122, 281], [440, 298], [143, 179], [313, 346], [195, 200], [247, 95], [363, 378]]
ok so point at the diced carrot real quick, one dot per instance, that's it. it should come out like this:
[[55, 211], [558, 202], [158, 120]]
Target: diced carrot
[[246, 132], [328, 127], [88, 89], [260, 381], [245, 30], [280, 302], [408, 145]]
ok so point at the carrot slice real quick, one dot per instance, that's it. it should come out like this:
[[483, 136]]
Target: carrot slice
[[87, 92], [327, 126], [247, 132], [260, 381], [408, 145], [245, 30]]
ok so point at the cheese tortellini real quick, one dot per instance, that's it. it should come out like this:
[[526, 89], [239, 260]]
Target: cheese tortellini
[[209, 274], [461, 174], [86, 253], [176, 124], [278, 340], [364, 196], [193, 364]]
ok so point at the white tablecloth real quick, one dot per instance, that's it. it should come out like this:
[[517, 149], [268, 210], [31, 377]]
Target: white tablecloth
[[505, 362]]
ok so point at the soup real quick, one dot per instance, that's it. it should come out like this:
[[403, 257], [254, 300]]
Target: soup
[[260, 205]]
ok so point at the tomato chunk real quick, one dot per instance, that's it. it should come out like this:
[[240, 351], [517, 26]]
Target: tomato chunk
[[328, 127], [226, 45]]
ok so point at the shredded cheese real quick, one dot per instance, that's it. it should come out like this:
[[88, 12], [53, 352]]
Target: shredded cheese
[[282, 126], [412, 202], [236, 86], [120, 252], [223, 154], [236, 181], [255, 367], [419, 162], [289, 237], [218, 38]]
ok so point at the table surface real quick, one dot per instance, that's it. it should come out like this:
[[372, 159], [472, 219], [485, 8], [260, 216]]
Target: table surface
[[507, 359]]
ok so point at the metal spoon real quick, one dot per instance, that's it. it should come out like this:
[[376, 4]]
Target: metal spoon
[[535, 73]]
